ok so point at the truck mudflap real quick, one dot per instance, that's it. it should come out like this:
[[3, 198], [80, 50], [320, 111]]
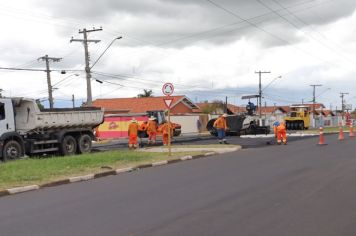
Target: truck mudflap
[[1, 147]]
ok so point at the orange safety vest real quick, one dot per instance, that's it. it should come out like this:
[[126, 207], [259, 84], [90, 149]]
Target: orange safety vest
[[220, 123], [133, 128], [281, 127], [151, 126], [165, 128], [142, 127]]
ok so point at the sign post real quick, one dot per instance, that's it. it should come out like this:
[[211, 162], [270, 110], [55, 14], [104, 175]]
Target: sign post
[[167, 90]]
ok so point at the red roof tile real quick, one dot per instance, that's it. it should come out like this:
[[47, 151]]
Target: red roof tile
[[134, 105]]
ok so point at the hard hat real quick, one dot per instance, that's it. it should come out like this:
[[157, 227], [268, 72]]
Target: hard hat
[[152, 118], [276, 123], [224, 115], [133, 120]]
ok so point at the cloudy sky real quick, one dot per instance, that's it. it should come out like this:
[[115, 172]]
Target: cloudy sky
[[208, 49]]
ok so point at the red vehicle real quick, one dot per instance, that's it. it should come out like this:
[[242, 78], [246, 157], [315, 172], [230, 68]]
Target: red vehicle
[[116, 125]]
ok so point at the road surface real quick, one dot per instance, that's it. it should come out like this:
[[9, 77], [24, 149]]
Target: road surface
[[293, 190]]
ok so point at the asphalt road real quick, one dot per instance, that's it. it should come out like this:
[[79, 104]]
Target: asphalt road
[[253, 142], [296, 190]]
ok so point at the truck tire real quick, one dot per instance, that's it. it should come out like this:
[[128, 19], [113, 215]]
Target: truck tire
[[68, 146], [84, 143], [12, 150], [301, 125]]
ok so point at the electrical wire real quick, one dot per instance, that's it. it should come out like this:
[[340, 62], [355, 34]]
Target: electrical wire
[[268, 32], [303, 31]]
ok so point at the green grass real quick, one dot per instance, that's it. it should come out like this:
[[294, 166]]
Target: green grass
[[206, 146], [328, 130], [43, 170]]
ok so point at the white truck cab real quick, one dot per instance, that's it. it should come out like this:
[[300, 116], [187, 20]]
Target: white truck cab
[[7, 119]]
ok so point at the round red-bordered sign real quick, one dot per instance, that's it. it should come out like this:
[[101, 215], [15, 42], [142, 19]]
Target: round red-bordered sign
[[168, 89]]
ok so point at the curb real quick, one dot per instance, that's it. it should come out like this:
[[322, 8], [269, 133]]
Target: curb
[[75, 179]]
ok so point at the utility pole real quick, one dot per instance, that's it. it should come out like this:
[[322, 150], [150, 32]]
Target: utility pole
[[73, 100], [260, 90], [342, 95], [314, 85], [226, 104], [46, 58], [85, 42]]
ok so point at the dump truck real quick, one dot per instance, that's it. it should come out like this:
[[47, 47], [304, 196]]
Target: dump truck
[[25, 129], [298, 117], [116, 125]]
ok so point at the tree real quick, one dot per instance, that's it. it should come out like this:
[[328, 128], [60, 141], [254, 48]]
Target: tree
[[146, 93], [39, 104], [216, 107]]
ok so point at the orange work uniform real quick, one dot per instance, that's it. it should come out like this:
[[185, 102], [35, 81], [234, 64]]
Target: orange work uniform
[[132, 131], [142, 129], [166, 129], [281, 133], [221, 127], [152, 131], [220, 123]]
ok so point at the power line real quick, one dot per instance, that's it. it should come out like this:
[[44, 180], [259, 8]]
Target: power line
[[263, 30], [300, 29]]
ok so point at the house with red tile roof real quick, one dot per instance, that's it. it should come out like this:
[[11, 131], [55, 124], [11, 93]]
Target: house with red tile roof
[[180, 105]]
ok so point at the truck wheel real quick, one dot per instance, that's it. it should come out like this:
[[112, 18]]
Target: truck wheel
[[12, 150], [84, 143], [68, 146], [301, 125]]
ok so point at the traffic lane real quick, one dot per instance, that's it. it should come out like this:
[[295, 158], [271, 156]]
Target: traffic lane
[[268, 190], [250, 142], [311, 195]]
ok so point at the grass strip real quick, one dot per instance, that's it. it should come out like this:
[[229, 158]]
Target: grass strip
[[328, 130], [43, 170]]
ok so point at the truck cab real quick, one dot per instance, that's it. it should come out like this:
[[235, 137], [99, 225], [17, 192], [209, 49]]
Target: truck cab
[[7, 121], [11, 143]]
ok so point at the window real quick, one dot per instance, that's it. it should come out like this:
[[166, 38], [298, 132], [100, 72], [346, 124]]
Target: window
[[2, 111]]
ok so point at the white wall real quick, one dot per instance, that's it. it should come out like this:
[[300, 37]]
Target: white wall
[[188, 123]]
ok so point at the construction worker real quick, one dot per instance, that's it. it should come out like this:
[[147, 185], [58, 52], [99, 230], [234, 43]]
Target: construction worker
[[152, 130], [166, 128], [132, 131], [221, 127], [142, 129], [280, 133]]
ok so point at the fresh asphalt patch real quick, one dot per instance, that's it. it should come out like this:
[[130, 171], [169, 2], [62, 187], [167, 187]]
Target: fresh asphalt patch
[[246, 141]]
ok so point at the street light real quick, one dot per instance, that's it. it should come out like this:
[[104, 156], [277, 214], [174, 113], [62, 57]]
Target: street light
[[278, 77], [102, 54], [65, 78]]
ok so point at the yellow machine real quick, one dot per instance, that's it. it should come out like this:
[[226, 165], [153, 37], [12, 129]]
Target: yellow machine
[[298, 118]]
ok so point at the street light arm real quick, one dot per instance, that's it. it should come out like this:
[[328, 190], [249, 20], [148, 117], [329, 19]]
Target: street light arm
[[271, 82], [102, 54], [323, 92]]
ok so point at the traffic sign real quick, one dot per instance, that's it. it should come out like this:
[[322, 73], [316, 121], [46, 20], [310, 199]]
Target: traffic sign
[[168, 102], [168, 89]]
